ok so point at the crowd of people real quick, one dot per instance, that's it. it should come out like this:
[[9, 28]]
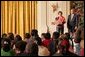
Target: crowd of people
[[57, 44], [46, 45]]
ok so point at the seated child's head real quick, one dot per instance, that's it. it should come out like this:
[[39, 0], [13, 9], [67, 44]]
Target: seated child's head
[[43, 35], [56, 35], [18, 38], [11, 36], [4, 35], [20, 46], [6, 44], [47, 36], [27, 35]]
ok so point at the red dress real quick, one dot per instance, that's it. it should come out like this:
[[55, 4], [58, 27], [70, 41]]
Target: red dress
[[46, 42]]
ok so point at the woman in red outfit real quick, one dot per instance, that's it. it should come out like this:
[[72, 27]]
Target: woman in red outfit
[[59, 22]]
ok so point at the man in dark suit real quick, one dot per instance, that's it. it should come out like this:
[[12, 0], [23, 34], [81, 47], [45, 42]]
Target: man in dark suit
[[72, 21], [72, 24]]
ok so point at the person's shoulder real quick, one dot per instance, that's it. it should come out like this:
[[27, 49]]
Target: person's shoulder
[[12, 52], [2, 52], [63, 17], [1, 49]]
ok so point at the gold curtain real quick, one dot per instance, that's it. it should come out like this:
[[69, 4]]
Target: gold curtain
[[18, 17]]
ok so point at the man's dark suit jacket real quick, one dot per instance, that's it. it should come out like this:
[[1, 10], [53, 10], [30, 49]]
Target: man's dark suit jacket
[[71, 23]]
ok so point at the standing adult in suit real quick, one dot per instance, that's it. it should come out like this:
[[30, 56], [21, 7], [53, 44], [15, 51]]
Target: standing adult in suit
[[72, 21], [72, 24]]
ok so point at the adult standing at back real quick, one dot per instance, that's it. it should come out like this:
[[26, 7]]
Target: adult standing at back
[[72, 21]]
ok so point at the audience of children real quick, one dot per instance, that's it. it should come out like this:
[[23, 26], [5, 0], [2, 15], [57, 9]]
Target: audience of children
[[33, 45]]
